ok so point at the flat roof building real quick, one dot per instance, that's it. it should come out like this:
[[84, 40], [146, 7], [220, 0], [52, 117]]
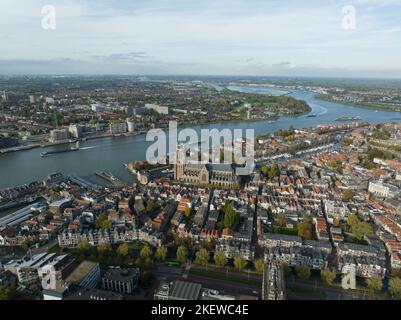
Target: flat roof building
[[93, 294], [121, 280], [179, 290], [30, 269], [87, 275]]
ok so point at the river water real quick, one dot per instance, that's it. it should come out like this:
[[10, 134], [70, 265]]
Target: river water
[[110, 153]]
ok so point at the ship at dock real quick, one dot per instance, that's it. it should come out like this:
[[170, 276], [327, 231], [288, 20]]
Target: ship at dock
[[349, 119], [109, 177], [49, 153]]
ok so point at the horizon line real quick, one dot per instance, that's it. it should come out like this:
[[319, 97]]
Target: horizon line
[[196, 75]]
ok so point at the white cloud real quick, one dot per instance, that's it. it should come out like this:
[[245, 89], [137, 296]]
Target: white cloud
[[193, 36]]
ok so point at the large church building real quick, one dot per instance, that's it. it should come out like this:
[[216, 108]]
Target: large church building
[[215, 175]]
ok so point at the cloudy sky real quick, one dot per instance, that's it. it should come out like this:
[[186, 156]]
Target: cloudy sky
[[202, 37]]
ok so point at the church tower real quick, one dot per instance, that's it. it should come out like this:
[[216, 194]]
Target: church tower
[[179, 163]]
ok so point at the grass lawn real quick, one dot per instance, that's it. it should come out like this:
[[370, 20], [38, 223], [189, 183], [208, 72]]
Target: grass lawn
[[308, 292], [286, 231], [224, 277], [54, 249], [231, 270], [361, 287]]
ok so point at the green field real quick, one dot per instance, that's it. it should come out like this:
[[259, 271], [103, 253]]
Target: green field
[[227, 278]]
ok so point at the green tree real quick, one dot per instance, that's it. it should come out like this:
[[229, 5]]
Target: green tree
[[290, 138], [104, 249], [102, 222], [328, 276], [305, 230], [55, 194], [265, 170], [376, 153], [396, 272], [220, 258], [380, 133], [368, 164], [151, 206], [208, 244], [123, 250], [26, 244], [281, 220], [187, 212], [347, 141], [352, 221], [146, 252], [274, 171], [161, 253], [302, 272], [84, 247], [362, 229], [239, 263], [374, 284], [7, 293], [394, 288], [259, 265], [231, 217], [202, 257], [182, 254], [147, 263], [347, 195], [335, 165]]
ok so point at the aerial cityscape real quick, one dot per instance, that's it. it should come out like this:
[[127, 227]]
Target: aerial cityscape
[[124, 176]]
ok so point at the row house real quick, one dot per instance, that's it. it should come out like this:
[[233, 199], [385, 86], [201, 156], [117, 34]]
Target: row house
[[369, 260], [321, 228], [280, 240], [236, 248], [309, 257], [365, 266], [292, 250], [95, 237], [394, 249]]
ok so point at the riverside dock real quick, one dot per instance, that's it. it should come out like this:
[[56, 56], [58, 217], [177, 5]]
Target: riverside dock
[[109, 177]]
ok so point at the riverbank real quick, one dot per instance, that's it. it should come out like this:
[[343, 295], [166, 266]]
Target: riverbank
[[19, 148], [378, 107], [66, 142], [183, 125]]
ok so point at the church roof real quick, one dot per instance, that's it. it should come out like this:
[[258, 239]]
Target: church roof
[[220, 167], [211, 167], [194, 166]]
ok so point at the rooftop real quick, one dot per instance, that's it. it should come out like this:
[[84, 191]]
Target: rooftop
[[182, 290], [93, 294], [81, 271], [60, 202], [121, 275]]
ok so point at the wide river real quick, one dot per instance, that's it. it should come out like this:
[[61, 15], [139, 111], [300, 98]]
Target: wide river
[[110, 153]]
